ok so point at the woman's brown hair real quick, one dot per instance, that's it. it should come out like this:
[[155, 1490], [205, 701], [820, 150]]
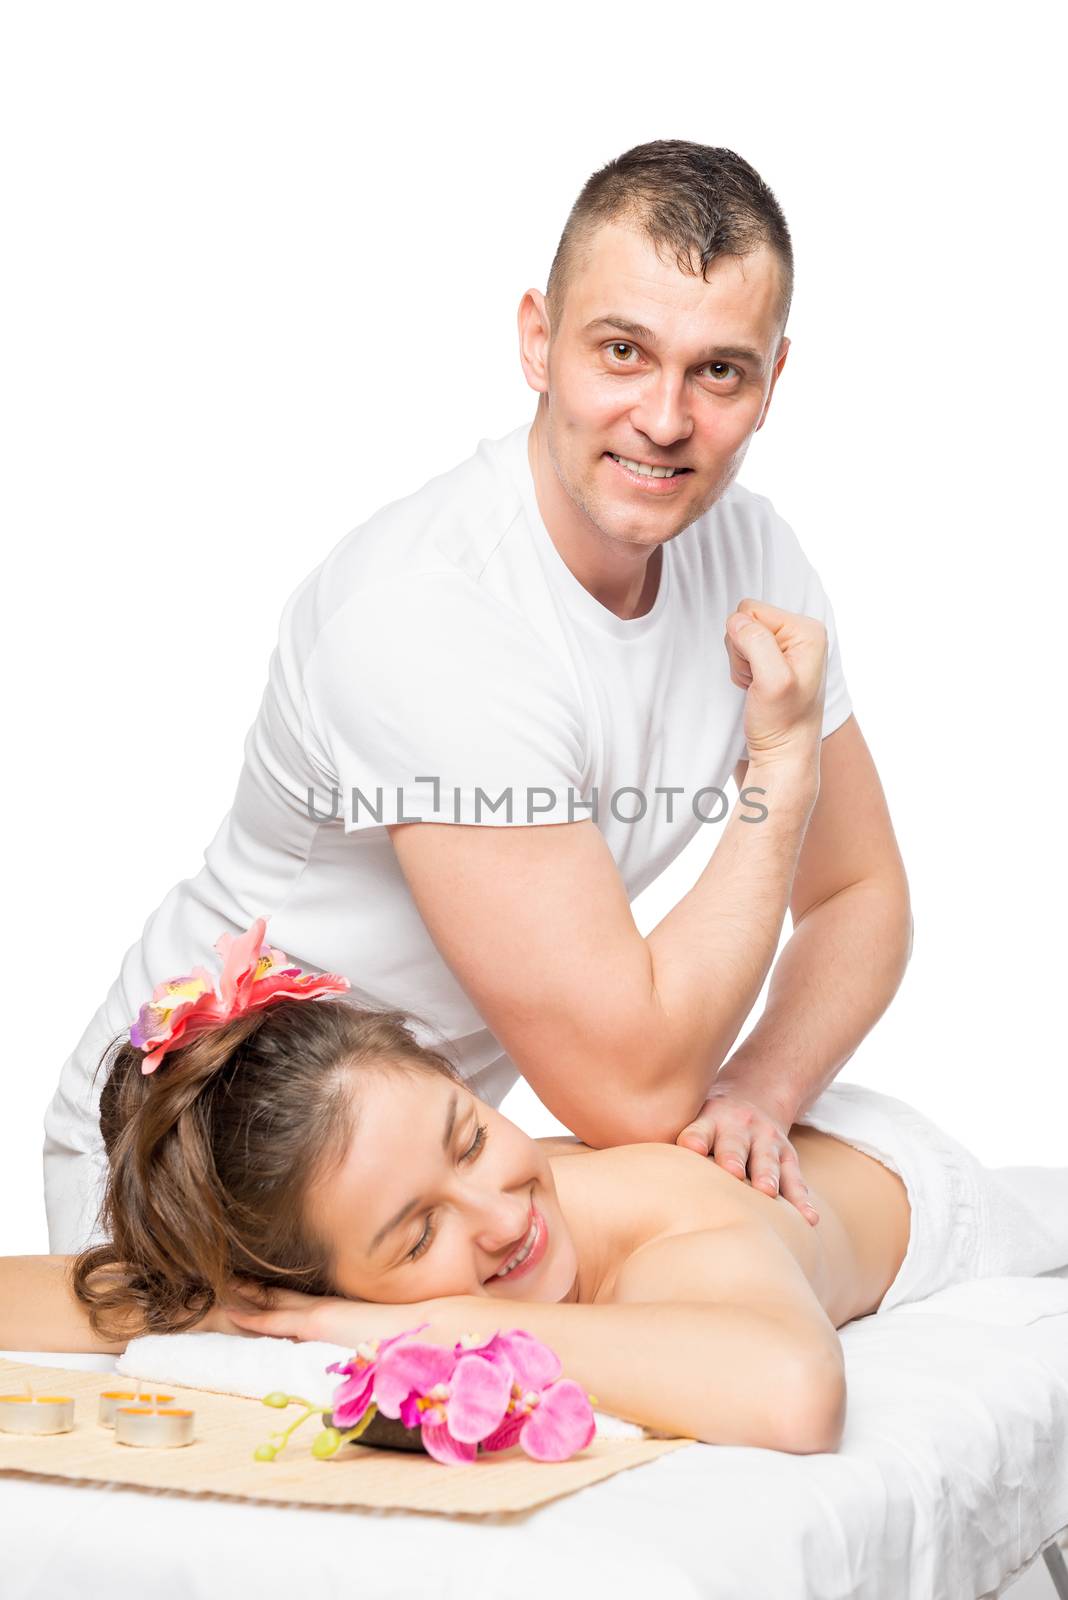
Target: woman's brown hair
[[210, 1158]]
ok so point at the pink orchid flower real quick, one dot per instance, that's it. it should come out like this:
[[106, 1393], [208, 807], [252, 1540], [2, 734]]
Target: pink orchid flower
[[548, 1416], [356, 1394], [454, 1399], [253, 975]]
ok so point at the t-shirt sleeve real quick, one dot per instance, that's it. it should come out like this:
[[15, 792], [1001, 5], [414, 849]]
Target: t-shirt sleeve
[[792, 582], [427, 699]]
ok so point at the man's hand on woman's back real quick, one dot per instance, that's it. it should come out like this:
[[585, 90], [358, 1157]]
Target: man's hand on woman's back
[[747, 1140]]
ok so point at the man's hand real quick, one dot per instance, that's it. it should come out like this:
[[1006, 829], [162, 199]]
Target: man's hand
[[737, 1133]]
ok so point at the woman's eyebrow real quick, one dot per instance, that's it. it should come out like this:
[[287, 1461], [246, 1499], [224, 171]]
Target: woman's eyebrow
[[413, 1205]]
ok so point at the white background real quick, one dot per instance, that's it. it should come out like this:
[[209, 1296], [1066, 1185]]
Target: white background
[[261, 273]]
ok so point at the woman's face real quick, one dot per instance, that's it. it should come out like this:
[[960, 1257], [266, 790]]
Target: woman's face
[[437, 1195]]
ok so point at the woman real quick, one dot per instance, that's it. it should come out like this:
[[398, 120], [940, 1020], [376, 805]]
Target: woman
[[317, 1153]]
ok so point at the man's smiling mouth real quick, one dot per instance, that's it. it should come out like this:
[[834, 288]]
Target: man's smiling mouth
[[647, 469]]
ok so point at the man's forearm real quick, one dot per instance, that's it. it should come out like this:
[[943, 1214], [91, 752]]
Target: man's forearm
[[710, 955], [834, 979]]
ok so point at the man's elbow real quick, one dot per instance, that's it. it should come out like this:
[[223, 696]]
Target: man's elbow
[[626, 1118], [613, 1088]]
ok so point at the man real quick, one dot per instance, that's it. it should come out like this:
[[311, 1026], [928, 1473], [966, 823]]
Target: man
[[500, 708]]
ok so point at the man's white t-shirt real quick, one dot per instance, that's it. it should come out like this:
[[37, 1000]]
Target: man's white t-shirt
[[444, 663]]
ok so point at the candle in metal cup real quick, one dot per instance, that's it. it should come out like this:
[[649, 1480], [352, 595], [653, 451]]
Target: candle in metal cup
[[110, 1398], [153, 1429], [36, 1413]]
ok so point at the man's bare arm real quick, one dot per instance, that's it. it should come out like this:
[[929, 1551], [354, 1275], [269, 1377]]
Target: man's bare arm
[[835, 976], [619, 1035]]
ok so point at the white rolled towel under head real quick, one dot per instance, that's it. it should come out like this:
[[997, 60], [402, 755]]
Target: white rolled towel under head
[[229, 1364], [226, 1363]]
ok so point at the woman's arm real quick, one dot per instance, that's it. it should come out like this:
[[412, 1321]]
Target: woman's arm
[[714, 1335], [39, 1310], [724, 1374]]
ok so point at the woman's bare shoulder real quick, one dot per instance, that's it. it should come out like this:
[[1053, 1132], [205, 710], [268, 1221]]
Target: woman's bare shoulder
[[647, 1192], [559, 1144], [649, 1163], [663, 1185], [655, 1193]]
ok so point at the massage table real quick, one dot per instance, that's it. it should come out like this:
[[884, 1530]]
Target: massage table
[[951, 1479]]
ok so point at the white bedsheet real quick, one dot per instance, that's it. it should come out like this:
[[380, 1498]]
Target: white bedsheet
[[952, 1474]]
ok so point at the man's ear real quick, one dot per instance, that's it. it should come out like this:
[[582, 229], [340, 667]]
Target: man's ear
[[534, 333], [780, 362]]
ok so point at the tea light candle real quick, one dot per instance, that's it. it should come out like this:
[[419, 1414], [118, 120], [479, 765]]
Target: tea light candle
[[30, 1413], [111, 1398], [152, 1428]]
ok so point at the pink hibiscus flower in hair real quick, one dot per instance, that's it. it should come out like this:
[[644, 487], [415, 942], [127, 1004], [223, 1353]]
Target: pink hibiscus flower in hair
[[253, 975], [455, 1399], [166, 1015], [550, 1417]]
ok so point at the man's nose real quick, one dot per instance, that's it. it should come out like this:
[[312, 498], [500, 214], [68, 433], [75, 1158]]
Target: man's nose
[[662, 413]]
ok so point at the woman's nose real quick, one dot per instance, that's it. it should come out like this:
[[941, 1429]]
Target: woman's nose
[[501, 1219]]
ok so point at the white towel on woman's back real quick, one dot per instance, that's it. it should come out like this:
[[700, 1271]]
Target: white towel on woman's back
[[968, 1221]]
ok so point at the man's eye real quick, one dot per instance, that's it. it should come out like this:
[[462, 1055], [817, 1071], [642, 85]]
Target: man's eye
[[722, 371]]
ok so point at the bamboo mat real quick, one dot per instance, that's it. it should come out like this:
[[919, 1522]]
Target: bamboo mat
[[228, 1428]]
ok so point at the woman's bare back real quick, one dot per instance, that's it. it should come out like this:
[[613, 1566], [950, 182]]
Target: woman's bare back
[[645, 1191]]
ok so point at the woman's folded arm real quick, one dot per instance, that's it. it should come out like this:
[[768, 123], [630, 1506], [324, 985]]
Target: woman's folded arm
[[715, 1335], [723, 1374], [38, 1309]]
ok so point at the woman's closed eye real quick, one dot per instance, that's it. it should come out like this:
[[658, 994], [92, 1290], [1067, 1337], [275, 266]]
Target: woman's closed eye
[[472, 1152]]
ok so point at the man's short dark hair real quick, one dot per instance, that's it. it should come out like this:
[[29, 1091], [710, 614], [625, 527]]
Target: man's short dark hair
[[697, 200]]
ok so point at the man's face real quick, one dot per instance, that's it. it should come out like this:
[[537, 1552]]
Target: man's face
[[658, 367]]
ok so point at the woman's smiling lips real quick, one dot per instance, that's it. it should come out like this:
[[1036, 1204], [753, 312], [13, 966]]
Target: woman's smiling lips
[[528, 1253]]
